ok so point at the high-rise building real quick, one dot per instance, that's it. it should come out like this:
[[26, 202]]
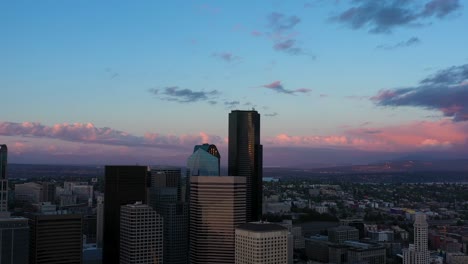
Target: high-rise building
[[141, 235], [56, 239], [217, 207], [3, 180], [14, 240], [3, 161], [99, 221], [166, 177], [123, 185], [260, 242], [246, 158], [165, 198], [205, 161], [418, 253]]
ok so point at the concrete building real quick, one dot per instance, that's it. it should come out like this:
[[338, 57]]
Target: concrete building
[[123, 185], [296, 232], [260, 242], [418, 252], [141, 235], [365, 253], [217, 207], [55, 239], [29, 192], [381, 236], [14, 240], [457, 258], [246, 158], [343, 233]]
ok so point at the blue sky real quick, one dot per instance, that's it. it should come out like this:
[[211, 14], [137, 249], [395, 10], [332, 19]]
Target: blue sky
[[314, 70]]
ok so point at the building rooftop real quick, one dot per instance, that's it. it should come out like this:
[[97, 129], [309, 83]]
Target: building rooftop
[[261, 227]]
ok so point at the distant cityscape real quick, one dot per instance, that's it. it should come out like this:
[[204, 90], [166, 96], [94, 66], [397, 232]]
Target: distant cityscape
[[411, 212]]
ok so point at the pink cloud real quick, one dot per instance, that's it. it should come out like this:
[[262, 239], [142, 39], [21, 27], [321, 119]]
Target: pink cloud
[[88, 133], [407, 137], [256, 33]]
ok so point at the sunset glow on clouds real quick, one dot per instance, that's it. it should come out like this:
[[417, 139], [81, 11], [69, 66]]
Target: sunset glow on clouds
[[105, 142], [128, 83]]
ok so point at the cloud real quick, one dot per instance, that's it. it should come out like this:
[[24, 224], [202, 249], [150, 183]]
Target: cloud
[[385, 15], [278, 87], [440, 8], [279, 22], [282, 35], [179, 95], [271, 114], [256, 33], [227, 56], [88, 133], [445, 91], [416, 136], [402, 44], [231, 104], [287, 46]]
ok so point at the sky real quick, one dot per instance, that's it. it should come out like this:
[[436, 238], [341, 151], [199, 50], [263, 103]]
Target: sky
[[335, 81]]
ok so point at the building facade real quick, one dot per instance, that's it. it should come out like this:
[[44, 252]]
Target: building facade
[[418, 253], [56, 239], [141, 235], [165, 198], [217, 207], [205, 160], [14, 241], [123, 185], [343, 233], [3, 180], [259, 242], [246, 158]]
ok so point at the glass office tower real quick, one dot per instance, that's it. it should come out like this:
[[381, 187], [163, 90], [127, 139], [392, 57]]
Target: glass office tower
[[246, 157]]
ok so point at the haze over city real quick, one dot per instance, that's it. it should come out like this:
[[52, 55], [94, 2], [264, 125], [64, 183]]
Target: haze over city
[[336, 82]]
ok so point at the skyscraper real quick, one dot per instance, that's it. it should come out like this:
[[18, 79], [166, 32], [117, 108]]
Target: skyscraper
[[3, 161], [56, 239], [123, 185], [217, 207], [14, 231], [246, 157], [260, 242], [3, 181], [141, 235], [165, 198], [205, 161], [418, 253]]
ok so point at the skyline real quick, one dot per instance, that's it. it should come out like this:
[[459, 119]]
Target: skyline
[[361, 81]]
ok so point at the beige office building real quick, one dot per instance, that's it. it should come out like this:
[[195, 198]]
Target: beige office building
[[141, 235], [418, 252], [261, 243], [217, 207]]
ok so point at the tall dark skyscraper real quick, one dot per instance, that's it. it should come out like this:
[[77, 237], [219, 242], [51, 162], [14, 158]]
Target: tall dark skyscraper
[[165, 198], [246, 157], [3, 181], [3, 161], [123, 185]]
